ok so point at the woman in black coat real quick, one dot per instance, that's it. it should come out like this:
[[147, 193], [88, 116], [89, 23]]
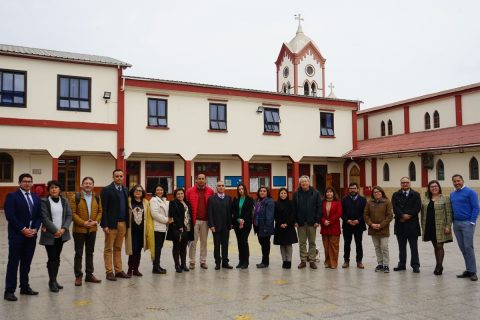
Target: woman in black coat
[[285, 233], [242, 209], [263, 221], [180, 230]]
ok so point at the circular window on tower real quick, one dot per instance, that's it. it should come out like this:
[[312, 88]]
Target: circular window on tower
[[286, 72], [310, 70]]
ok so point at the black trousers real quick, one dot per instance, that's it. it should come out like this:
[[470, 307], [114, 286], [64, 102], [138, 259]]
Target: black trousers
[[265, 244], [179, 250], [159, 240], [242, 243], [220, 243], [87, 241], [20, 252], [53, 253], [348, 234], [402, 250]]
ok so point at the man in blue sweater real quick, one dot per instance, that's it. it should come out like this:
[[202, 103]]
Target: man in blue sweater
[[465, 211]]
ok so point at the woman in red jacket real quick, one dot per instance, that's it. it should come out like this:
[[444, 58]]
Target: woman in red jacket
[[330, 227]]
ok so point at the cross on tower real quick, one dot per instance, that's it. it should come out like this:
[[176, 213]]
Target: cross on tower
[[299, 18], [331, 86]]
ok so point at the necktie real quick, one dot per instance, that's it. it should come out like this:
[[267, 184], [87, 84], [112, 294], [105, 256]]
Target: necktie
[[405, 193], [30, 203]]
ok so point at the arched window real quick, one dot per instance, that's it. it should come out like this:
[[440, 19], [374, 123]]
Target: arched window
[[412, 172], [436, 119], [284, 88], [473, 166], [314, 89], [390, 127], [354, 175], [386, 172], [289, 86], [306, 89], [6, 167], [427, 120], [440, 170], [382, 129]]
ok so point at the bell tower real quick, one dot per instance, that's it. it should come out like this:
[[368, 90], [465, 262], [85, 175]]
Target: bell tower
[[301, 66]]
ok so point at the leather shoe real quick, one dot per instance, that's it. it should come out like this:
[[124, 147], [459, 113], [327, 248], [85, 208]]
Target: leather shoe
[[202, 265], [345, 265], [111, 276], [473, 277], [28, 291], [122, 275], [416, 269], [398, 268], [192, 266], [58, 285], [137, 273], [53, 286], [302, 265], [217, 267], [185, 268], [313, 265], [360, 265], [262, 265], [465, 274], [227, 266], [92, 279], [244, 266], [78, 281], [10, 296]]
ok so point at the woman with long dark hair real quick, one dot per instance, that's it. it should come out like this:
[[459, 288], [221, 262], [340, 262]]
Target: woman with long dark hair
[[263, 219], [242, 209], [284, 234], [140, 233], [57, 217], [159, 209], [180, 229], [436, 220], [330, 227]]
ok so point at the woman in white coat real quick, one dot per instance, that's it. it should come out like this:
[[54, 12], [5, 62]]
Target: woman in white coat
[[159, 210]]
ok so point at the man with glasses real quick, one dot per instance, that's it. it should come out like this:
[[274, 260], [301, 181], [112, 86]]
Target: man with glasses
[[220, 223], [406, 206], [22, 210]]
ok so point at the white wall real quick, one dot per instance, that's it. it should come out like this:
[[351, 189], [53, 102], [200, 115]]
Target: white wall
[[42, 90], [360, 128], [286, 62], [375, 119], [100, 168], [445, 108], [302, 75], [189, 136], [25, 162], [399, 169], [470, 108]]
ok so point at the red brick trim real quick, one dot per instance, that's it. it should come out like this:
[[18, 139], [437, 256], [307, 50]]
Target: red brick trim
[[57, 124]]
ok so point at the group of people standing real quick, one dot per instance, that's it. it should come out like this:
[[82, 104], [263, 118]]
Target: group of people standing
[[127, 216]]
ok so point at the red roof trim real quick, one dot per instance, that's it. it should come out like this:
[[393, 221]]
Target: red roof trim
[[205, 89]]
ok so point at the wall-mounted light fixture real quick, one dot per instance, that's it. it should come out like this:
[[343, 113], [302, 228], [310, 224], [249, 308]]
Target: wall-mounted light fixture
[[107, 95], [260, 109]]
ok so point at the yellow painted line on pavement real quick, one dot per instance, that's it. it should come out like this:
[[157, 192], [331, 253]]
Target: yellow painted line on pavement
[[82, 303]]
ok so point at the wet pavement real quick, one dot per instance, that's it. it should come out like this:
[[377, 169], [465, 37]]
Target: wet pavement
[[272, 293]]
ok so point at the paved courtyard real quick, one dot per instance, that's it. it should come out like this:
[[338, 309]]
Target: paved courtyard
[[271, 293]]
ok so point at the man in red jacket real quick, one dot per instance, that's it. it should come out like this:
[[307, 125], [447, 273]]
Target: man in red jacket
[[198, 196]]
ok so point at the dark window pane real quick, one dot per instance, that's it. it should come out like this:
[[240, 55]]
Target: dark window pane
[[213, 112], [84, 89], [7, 98], [152, 121], [152, 108], [214, 124], [74, 88], [19, 82], [161, 110], [221, 113], [64, 87]]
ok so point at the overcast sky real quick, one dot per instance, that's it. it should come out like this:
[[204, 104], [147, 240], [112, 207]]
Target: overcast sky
[[377, 51]]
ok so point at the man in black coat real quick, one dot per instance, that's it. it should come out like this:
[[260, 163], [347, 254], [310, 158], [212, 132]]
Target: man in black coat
[[114, 223], [220, 223], [353, 225], [406, 206]]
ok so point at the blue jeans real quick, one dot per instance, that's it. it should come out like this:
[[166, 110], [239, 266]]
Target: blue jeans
[[464, 232]]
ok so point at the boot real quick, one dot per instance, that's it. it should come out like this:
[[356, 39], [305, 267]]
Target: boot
[[284, 265], [57, 266], [288, 264], [52, 283]]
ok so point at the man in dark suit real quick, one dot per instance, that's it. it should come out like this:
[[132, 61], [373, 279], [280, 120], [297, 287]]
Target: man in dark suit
[[220, 223], [406, 206], [22, 210], [114, 201]]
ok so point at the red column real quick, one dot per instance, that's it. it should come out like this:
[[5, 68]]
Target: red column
[[365, 127], [295, 175], [361, 163], [458, 110], [374, 172], [354, 129], [424, 176], [245, 174], [188, 173], [54, 168], [345, 175], [406, 119], [120, 162]]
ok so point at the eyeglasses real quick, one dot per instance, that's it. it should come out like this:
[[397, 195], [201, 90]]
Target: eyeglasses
[[220, 185], [139, 190], [27, 181]]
